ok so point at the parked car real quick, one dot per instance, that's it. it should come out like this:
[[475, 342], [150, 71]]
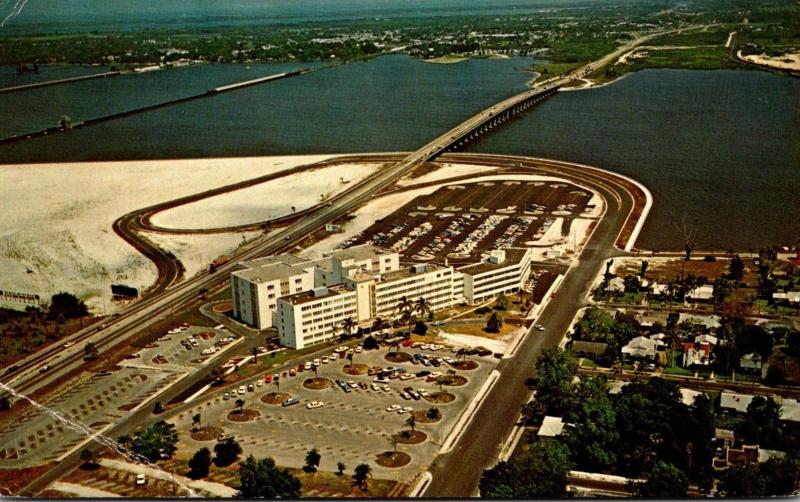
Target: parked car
[[140, 479], [539, 327], [393, 407], [407, 409], [307, 366], [251, 387], [289, 402], [268, 378], [325, 360], [242, 389], [314, 404], [259, 383], [226, 396], [292, 372]]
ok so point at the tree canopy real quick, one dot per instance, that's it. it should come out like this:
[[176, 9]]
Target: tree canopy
[[161, 437], [66, 305], [226, 452], [260, 478], [542, 473], [665, 482], [555, 369]]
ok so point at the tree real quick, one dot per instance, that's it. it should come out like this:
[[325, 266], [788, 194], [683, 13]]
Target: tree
[[494, 323], [420, 328], [742, 482], [501, 302], [736, 268], [151, 442], [360, 475], [665, 482], [775, 377], [433, 413], [555, 369], [347, 328], [195, 421], [239, 404], [542, 473], [67, 305], [411, 422], [260, 478], [643, 268], [377, 325], [157, 407], [5, 403], [200, 463], [592, 435], [422, 306], [761, 424], [340, 468], [88, 457], [370, 343], [254, 351], [226, 452], [312, 460]]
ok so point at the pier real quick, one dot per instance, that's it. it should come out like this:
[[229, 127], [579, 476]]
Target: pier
[[49, 83]]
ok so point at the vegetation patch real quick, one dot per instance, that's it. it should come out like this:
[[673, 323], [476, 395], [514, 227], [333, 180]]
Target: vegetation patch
[[427, 416], [411, 437], [398, 357], [440, 397], [318, 383], [356, 369], [393, 459], [275, 397], [244, 415], [454, 380], [465, 365], [206, 433]]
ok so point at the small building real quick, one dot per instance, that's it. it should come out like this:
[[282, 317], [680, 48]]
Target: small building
[[791, 297], [750, 361], [704, 293], [696, 354], [505, 271], [315, 316], [551, 427], [641, 347], [588, 349]]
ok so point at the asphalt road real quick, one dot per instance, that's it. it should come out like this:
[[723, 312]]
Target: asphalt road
[[456, 474]]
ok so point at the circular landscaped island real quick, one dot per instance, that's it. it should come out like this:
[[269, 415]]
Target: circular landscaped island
[[393, 459], [206, 433], [317, 383], [398, 357], [244, 415], [275, 397]]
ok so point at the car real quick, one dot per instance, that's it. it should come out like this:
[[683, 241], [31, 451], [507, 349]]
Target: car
[[307, 366], [422, 392], [405, 395], [194, 343], [314, 404], [425, 362], [290, 402], [415, 345], [381, 380], [276, 376], [359, 349], [351, 383], [251, 387], [406, 376], [423, 373], [386, 388], [437, 323], [650, 367], [407, 409], [325, 360], [539, 327], [389, 369], [262, 350], [292, 372], [268, 378], [226, 396], [374, 386], [333, 356], [44, 369], [341, 348], [316, 362], [68, 345], [207, 352], [140, 479], [259, 383], [394, 407], [242, 389]]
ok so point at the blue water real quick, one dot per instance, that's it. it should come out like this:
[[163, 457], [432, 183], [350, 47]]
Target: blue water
[[718, 148]]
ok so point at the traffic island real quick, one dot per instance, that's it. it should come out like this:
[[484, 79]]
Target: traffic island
[[245, 415], [409, 437], [427, 416], [393, 459], [275, 397], [317, 383], [206, 433], [356, 369], [465, 365], [440, 397], [454, 381], [398, 357]]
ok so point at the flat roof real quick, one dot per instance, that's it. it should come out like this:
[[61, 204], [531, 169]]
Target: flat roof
[[513, 257], [272, 272], [359, 253], [308, 296], [405, 272]]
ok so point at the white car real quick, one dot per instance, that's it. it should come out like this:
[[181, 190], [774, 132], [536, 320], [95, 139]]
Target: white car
[[342, 348], [406, 376], [325, 360], [386, 388], [358, 349], [307, 366], [407, 409], [539, 327], [242, 389], [68, 345], [259, 382], [316, 362], [381, 380], [422, 392], [140, 479], [333, 356], [375, 387], [314, 404], [394, 407], [207, 352], [424, 346]]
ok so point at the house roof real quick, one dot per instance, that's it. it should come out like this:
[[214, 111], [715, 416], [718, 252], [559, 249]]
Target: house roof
[[641, 345], [704, 292], [551, 427]]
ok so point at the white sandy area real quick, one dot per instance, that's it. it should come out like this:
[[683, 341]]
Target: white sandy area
[[446, 171], [383, 206], [476, 341], [266, 200], [56, 219], [197, 251], [788, 61], [81, 491]]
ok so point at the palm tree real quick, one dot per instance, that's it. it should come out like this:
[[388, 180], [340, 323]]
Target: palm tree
[[255, 355], [347, 328], [411, 422], [422, 306], [404, 305], [494, 323], [393, 442], [240, 404], [195, 421], [378, 324]]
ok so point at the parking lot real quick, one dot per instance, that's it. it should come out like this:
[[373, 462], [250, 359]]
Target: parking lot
[[105, 396], [351, 427], [462, 221]]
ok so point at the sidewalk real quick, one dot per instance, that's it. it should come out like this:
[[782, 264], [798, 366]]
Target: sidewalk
[[215, 489]]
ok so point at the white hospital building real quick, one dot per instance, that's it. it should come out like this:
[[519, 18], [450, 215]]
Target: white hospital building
[[308, 300]]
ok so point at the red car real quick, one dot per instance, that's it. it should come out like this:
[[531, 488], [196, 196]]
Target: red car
[[268, 378], [300, 367], [292, 372], [407, 342]]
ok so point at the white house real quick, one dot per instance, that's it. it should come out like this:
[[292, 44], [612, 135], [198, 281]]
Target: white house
[[641, 347]]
